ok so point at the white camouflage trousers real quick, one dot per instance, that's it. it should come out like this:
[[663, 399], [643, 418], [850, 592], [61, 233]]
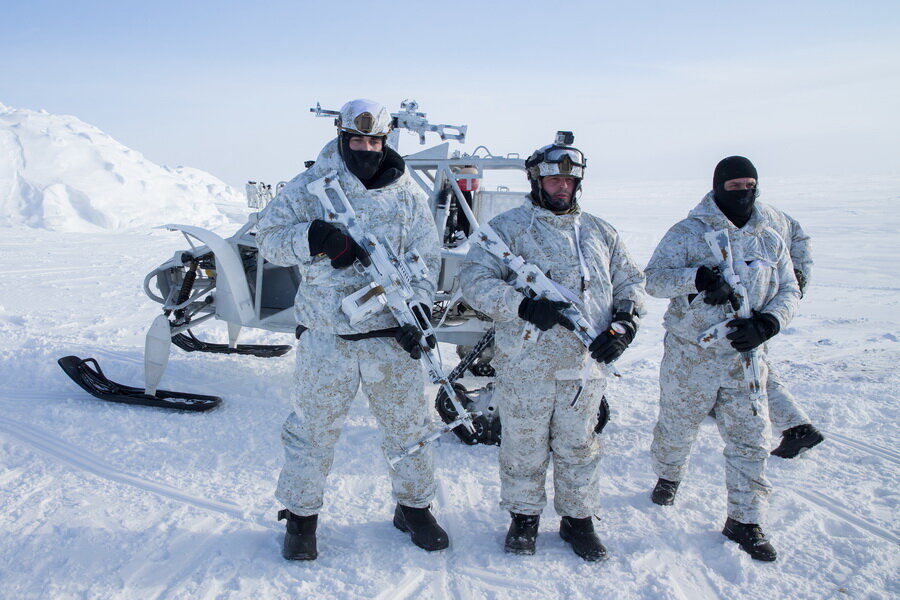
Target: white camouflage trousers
[[783, 409], [537, 420], [329, 372], [693, 381]]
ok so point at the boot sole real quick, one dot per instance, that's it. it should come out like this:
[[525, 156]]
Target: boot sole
[[301, 556], [764, 558], [518, 550], [402, 527], [659, 502], [801, 450], [588, 557]]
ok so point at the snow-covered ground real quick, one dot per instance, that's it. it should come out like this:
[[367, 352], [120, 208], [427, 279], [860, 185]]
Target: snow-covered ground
[[101, 500]]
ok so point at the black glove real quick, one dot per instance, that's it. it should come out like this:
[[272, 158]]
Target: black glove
[[423, 314], [753, 332], [609, 345], [717, 291], [325, 238], [544, 313], [409, 336]]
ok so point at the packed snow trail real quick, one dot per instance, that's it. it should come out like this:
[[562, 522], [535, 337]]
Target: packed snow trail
[[112, 501], [84, 461]]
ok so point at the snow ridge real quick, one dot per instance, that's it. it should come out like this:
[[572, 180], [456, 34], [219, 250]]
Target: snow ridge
[[66, 175]]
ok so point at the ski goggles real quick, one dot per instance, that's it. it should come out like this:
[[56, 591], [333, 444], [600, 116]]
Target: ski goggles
[[558, 160]]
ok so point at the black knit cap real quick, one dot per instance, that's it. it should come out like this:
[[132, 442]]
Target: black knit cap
[[733, 167]]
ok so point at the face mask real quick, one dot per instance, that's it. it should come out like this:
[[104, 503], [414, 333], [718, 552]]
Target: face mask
[[363, 163], [736, 204]]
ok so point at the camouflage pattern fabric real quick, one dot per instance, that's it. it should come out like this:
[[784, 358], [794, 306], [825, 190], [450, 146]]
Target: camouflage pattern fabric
[[784, 411], [331, 370], [692, 379], [792, 233], [537, 379], [397, 213]]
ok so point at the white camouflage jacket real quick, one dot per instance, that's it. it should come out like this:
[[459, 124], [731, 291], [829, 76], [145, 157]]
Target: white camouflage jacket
[[793, 235], [761, 260], [548, 241], [397, 214]]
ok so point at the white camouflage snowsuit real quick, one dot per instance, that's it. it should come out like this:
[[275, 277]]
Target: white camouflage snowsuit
[[537, 379], [694, 380], [330, 369], [783, 409]]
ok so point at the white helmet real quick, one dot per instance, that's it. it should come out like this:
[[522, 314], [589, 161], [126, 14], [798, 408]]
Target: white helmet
[[559, 158], [364, 117]]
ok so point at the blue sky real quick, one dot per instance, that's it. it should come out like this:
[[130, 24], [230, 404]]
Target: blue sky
[[658, 90]]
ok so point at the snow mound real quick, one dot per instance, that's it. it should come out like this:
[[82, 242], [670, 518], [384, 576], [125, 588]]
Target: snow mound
[[61, 174]]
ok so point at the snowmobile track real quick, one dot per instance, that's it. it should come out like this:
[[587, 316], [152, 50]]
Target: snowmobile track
[[821, 501], [84, 461], [873, 449]]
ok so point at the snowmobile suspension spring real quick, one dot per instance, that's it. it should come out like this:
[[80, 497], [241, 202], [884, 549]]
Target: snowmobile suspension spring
[[186, 286]]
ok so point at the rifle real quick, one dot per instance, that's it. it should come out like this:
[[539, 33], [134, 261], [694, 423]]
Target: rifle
[[531, 281], [391, 277], [720, 246]]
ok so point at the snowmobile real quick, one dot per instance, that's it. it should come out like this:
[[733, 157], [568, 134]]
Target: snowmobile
[[229, 280]]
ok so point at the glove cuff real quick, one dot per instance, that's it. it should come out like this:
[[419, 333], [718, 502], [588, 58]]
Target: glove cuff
[[770, 324], [523, 305], [318, 231]]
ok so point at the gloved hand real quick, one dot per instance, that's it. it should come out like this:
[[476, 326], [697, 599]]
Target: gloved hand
[[544, 313], [409, 336], [609, 345], [753, 332], [717, 291], [325, 238]]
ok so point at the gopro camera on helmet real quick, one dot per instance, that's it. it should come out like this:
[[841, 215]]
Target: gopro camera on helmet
[[564, 138]]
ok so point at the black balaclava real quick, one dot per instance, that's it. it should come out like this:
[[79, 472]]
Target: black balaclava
[[362, 163], [737, 205]]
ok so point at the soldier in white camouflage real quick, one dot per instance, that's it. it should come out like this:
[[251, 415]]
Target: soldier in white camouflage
[[797, 432], [695, 380], [538, 379], [334, 358]]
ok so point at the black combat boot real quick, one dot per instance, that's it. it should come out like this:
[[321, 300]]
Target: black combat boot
[[300, 538], [422, 527], [664, 492], [796, 440], [522, 534], [584, 540], [751, 538]]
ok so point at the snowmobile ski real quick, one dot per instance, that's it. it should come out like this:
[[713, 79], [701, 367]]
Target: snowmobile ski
[[93, 381], [189, 343]]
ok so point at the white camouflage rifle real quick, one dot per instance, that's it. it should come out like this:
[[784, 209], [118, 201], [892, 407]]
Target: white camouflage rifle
[[391, 286], [720, 246], [531, 281]]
